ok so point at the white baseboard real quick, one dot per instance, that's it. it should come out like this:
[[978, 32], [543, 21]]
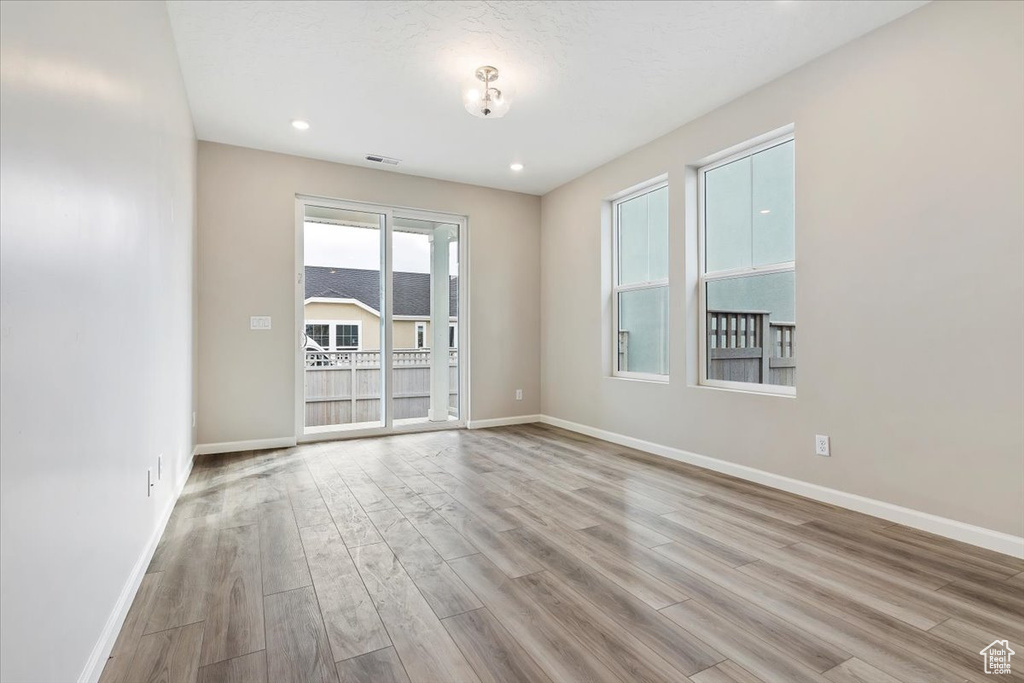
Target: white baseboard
[[251, 445], [502, 421], [101, 651], [942, 526]]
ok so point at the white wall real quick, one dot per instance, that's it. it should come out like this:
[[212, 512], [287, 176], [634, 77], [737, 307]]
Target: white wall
[[96, 254], [246, 215], [910, 275]]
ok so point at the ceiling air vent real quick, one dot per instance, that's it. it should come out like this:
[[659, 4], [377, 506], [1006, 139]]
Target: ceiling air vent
[[377, 158]]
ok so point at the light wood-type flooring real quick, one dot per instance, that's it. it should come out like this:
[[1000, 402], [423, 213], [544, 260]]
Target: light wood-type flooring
[[533, 554]]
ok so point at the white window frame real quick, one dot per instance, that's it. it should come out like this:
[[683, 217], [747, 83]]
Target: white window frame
[[636, 286], [334, 335], [330, 331], [703, 277], [420, 326]]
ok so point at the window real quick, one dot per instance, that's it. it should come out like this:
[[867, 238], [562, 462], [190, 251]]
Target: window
[[330, 335], [346, 336], [640, 284], [320, 335], [453, 335], [421, 335], [748, 269]]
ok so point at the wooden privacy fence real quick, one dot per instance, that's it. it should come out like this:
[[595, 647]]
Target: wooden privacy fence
[[343, 387], [745, 346]]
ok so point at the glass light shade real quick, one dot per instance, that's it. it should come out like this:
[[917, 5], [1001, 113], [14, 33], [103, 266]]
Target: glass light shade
[[473, 98], [472, 94]]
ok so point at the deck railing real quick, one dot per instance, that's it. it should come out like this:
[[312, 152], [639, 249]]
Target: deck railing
[[343, 387], [745, 346]]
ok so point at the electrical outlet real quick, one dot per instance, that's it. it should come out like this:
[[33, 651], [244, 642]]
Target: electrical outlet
[[519, 394], [149, 482], [259, 322], [160, 467], [821, 445]]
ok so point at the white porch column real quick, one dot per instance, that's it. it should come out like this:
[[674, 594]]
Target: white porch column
[[439, 314]]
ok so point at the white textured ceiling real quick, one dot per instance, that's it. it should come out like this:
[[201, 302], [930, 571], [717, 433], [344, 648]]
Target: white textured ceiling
[[594, 79]]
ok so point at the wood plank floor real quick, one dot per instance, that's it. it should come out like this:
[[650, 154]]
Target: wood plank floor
[[533, 554]]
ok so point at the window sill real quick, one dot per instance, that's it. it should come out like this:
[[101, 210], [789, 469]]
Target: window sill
[[653, 379], [749, 390]]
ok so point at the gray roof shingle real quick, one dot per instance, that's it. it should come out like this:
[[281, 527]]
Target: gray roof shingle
[[411, 290]]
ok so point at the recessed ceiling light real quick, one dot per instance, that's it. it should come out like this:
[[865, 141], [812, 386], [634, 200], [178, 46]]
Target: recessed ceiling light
[[299, 124], [766, 210], [516, 167]]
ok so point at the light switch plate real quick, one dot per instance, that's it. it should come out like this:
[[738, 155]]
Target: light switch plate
[[259, 322]]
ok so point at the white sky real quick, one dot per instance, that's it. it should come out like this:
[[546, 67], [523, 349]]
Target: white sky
[[347, 247]]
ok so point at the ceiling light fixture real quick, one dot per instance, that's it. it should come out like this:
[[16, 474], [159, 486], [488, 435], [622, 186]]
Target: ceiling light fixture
[[516, 167], [766, 210], [299, 124], [483, 99]]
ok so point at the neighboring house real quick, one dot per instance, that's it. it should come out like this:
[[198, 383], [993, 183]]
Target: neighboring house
[[342, 309]]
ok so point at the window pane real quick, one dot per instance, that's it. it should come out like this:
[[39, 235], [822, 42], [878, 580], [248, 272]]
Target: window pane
[[657, 222], [773, 205], [633, 240], [643, 237], [727, 216], [643, 331], [743, 315], [347, 336], [319, 335]]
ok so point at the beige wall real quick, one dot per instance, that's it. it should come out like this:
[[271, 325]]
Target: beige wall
[[910, 254], [247, 267], [97, 220], [405, 334]]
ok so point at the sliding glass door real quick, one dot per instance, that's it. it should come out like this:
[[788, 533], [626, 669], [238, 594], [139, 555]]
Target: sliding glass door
[[378, 311], [425, 291], [342, 329]]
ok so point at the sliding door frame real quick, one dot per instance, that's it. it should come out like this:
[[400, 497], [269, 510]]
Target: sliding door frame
[[387, 319]]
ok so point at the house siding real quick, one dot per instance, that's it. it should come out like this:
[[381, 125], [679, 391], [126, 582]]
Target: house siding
[[404, 330]]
